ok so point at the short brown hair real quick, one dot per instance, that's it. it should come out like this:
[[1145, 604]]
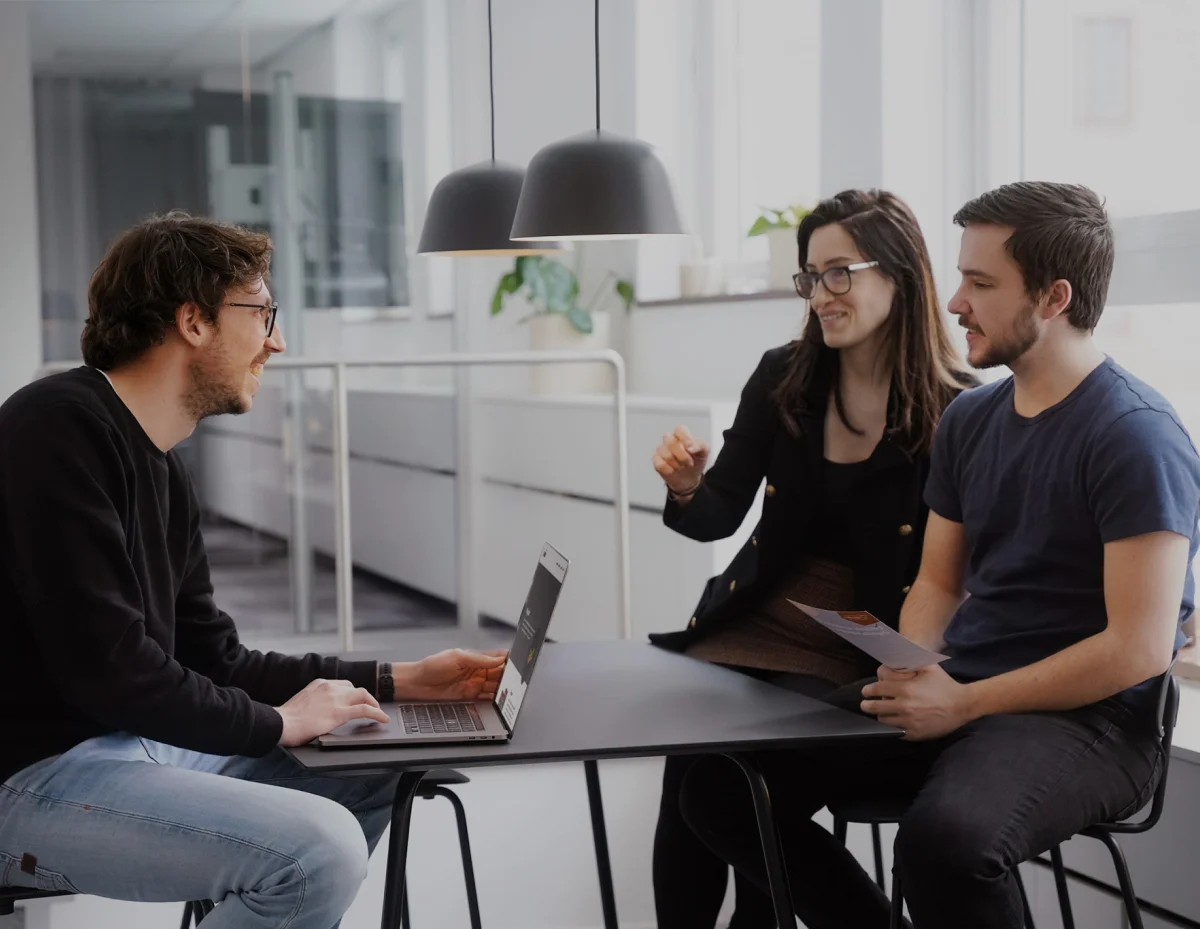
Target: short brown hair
[[154, 268], [1060, 232]]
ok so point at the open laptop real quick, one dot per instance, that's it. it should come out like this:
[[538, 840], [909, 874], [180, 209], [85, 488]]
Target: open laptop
[[481, 720]]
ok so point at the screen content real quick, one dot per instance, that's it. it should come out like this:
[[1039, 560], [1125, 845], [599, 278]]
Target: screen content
[[531, 633]]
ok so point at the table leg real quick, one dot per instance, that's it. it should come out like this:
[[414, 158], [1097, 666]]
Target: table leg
[[608, 900], [781, 894], [394, 888]]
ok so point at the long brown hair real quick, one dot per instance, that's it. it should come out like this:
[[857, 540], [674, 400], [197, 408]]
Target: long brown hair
[[927, 372]]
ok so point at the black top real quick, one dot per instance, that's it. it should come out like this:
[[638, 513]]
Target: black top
[[833, 535], [106, 611], [884, 515], [627, 700]]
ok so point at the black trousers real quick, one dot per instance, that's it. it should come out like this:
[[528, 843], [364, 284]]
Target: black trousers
[[689, 879], [983, 799]]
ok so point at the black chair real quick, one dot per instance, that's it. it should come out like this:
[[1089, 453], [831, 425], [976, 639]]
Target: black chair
[[434, 784], [878, 812], [884, 812], [437, 784], [1168, 713]]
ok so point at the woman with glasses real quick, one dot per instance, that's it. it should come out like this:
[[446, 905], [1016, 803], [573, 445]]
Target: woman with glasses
[[839, 424]]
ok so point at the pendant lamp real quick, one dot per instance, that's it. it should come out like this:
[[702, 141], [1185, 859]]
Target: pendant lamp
[[595, 186], [471, 210]]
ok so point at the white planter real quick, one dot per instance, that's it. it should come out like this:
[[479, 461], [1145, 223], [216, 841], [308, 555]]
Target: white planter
[[784, 258], [554, 332]]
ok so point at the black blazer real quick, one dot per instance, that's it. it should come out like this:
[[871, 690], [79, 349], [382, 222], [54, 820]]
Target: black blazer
[[889, 512]]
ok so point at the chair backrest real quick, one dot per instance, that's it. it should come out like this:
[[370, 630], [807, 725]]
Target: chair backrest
[[1168, 714]]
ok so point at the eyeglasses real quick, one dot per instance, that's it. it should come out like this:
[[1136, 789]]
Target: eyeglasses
[[271, 310], [836, 280]]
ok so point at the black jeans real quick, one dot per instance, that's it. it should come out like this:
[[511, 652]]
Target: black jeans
[[983, 799], [690, 880]]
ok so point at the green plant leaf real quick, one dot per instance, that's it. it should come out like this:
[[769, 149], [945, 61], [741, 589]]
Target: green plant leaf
[[580, 318], [761, 225], [509, 283], [558, 286], [625, 292]]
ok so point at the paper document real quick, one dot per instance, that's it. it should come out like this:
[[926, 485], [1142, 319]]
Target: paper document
[[881, 642]]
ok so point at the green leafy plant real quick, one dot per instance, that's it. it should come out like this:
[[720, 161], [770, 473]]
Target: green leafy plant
[[551, 287], [787, 218]]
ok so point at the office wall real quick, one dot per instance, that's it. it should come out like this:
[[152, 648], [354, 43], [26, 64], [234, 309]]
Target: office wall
[[20, 282]]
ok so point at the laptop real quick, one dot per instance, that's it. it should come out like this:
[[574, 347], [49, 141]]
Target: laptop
[[482, 720]]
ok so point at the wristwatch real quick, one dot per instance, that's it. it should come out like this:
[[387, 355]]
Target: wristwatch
[[386, 688]]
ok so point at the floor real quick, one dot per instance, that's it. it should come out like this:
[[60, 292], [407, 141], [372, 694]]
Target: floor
[[251, 575]]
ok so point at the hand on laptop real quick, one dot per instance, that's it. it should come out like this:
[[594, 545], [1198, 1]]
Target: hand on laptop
[[323, 706], [455, 674], [927, 703]]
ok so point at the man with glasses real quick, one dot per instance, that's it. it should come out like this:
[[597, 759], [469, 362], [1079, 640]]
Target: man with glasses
[[142, 742]]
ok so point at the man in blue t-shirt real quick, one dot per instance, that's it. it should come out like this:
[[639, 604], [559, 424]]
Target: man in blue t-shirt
[[1055, 573]]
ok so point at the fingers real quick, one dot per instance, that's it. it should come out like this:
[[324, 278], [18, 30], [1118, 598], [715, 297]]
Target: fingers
[[345, 714], [884, 689], [691, 444], [676, 453], [891, 674], [489, 660]]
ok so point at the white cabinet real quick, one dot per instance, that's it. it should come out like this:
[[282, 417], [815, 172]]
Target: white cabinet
[[545, 472]]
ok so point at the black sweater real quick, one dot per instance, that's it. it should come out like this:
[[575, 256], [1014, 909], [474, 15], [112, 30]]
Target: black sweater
[[107, 621]]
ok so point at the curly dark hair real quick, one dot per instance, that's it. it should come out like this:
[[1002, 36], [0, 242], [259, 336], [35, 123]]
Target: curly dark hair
[[927, 372], [154, 268]]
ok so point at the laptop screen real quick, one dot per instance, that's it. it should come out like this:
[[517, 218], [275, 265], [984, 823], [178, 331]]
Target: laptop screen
[[531, 633]]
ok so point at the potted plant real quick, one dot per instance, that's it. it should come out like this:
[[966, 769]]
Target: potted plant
[[779, 226], [560, 320]]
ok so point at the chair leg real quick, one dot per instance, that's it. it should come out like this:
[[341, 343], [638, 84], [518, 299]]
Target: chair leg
[[405, 920], [1060, 883], [1132, 910], [839, 829], [464, 844], [877, 843], [1027, 912], [897, 920], [187, 916]]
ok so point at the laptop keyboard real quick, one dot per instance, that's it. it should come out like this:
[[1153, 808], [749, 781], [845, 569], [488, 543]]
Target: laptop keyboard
[[440, 717]]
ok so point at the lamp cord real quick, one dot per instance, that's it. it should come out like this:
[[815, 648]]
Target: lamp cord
[[491, 83], [597, 37]]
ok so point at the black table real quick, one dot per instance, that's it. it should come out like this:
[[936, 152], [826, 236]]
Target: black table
[[604, 700]]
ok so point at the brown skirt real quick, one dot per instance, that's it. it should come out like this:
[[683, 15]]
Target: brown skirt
[[773, 635]]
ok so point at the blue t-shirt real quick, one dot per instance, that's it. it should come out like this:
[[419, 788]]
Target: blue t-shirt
[[1038, 499]]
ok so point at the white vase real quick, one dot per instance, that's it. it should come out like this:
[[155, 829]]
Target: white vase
[[554, 332], [783, 258]]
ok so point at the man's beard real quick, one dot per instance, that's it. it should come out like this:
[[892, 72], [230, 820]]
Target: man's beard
[[210, 392], [1023, 337]]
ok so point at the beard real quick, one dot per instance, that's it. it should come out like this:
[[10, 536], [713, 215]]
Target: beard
[[214, 389], [1015, 343]]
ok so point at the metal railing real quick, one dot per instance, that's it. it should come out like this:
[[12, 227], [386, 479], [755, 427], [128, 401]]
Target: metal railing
[[343, 544]]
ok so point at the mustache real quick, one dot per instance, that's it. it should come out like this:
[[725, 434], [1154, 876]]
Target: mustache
[[970, 327]]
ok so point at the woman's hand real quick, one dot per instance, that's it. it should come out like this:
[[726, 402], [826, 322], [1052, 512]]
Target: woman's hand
[[680, 461]]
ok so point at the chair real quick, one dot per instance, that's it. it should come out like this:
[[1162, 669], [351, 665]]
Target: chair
[[434, 784], [437, 784], [878, 812], [1168, 713]]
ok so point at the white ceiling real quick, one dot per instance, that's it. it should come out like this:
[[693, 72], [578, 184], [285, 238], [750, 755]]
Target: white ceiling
[[159, 38]]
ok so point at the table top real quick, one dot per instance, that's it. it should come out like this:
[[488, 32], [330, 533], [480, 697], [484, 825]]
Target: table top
[[596, 700]]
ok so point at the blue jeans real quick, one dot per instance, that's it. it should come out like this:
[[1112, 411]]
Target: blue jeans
[[127, 818]]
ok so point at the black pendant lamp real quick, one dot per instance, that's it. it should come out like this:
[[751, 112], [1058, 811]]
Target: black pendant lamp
[[595, 186], [471, 210]]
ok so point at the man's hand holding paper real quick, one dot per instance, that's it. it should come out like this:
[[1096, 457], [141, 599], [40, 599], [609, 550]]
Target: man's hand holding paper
[[913, 693]]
